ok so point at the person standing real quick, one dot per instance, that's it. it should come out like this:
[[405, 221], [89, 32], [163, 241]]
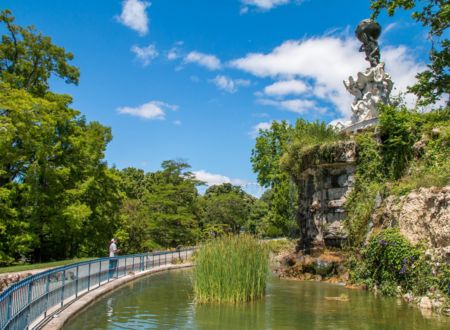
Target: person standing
[[112, 254], [112, 248]]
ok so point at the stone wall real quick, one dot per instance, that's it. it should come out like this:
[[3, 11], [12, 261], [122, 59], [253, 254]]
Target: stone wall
[[423, 216], [326, 179]]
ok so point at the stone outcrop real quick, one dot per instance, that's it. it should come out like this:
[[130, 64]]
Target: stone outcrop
[[9, 279], [423, 216], [326, 177]]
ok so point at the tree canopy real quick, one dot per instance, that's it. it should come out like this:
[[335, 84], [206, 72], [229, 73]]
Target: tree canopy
[[28, 59], [433, 83]]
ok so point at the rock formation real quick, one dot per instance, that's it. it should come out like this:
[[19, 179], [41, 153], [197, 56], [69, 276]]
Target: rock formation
[[326, 178]]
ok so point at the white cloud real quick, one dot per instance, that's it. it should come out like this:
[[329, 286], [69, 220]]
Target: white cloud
[[177, 122], [286, 87], [229, 85], [260, 126], [145, 54], [325, 61], [209, 61], [150, 110], [212, 179], [390, 27], [263, 4], [403, 68], [294, 105], [173, 54], [134, 15]]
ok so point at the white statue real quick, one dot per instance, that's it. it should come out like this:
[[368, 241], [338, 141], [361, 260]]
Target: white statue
[[372, 86]]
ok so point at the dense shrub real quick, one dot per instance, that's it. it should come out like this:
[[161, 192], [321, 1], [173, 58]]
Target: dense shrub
[[389, 261]]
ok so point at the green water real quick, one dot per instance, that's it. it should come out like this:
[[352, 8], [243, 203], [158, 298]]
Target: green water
[[164, 301]]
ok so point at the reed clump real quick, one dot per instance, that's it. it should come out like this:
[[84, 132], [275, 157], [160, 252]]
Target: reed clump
[[231, 269]]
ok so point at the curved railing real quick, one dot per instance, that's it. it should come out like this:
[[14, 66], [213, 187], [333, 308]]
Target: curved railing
[[32, 301]]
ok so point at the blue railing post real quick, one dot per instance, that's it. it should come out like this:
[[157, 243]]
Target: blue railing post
[[30, 290], [89, 277], [9, 311], [47, 288], [142, 263], [62, 288], [125, 269], [76, 282], [100, 273]]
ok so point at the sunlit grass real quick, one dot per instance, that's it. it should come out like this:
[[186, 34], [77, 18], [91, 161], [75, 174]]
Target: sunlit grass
[[25, 267], [231, 269]]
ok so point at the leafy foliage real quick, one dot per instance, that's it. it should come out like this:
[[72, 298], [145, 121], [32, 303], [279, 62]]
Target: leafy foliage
[[28, 59], [368, 184], [227, 205], [434, 82], [389, 260], [51, 176]]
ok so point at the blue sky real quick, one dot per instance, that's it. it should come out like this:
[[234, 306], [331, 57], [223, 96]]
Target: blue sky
[[195, 79]]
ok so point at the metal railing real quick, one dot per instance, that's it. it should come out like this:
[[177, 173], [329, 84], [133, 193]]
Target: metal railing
[[32, 301]]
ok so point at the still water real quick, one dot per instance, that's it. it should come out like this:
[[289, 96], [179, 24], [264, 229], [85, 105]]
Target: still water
[[165, 301]]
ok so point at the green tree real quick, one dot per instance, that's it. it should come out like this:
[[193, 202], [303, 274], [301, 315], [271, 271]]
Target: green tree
[[28, 59], [228, 205], [172, 201], [257, 223], [270, 146], [434, 15], [58, 198]]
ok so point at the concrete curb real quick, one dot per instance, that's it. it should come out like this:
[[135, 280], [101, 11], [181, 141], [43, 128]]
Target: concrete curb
[[61, 318]]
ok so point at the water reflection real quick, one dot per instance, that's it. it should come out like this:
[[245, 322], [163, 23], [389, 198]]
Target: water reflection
[[164, 301]]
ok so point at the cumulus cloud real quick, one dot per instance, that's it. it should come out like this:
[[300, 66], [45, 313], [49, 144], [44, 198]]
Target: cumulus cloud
[[286, 87], [212, 179], [145, 54], [208, 61], [325, 62], [403, 68], [229, 85], [260, 126], [150, 110], [263, 4], [134, 15], [299, 106]]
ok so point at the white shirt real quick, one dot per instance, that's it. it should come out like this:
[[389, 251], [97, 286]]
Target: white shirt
[[112, 249]]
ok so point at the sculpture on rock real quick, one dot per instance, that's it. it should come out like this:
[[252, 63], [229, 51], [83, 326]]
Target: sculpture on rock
[[372, 86], [368, 32]]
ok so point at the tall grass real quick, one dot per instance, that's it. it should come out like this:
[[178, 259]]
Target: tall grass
[[231, 269]]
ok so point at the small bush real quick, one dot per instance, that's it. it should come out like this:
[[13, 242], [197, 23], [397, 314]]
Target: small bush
[[390, 260], [231, 269]]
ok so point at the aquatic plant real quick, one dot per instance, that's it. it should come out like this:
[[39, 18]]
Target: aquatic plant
[[230, 269]]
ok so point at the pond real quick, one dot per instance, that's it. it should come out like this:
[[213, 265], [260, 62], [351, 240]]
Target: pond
[[165, 301]]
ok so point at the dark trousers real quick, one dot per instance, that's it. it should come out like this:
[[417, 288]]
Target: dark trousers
[[112, 267]]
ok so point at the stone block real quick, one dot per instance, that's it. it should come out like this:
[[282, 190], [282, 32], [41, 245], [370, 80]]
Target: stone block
[[336, 193], [333, 217], [336, 203]]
